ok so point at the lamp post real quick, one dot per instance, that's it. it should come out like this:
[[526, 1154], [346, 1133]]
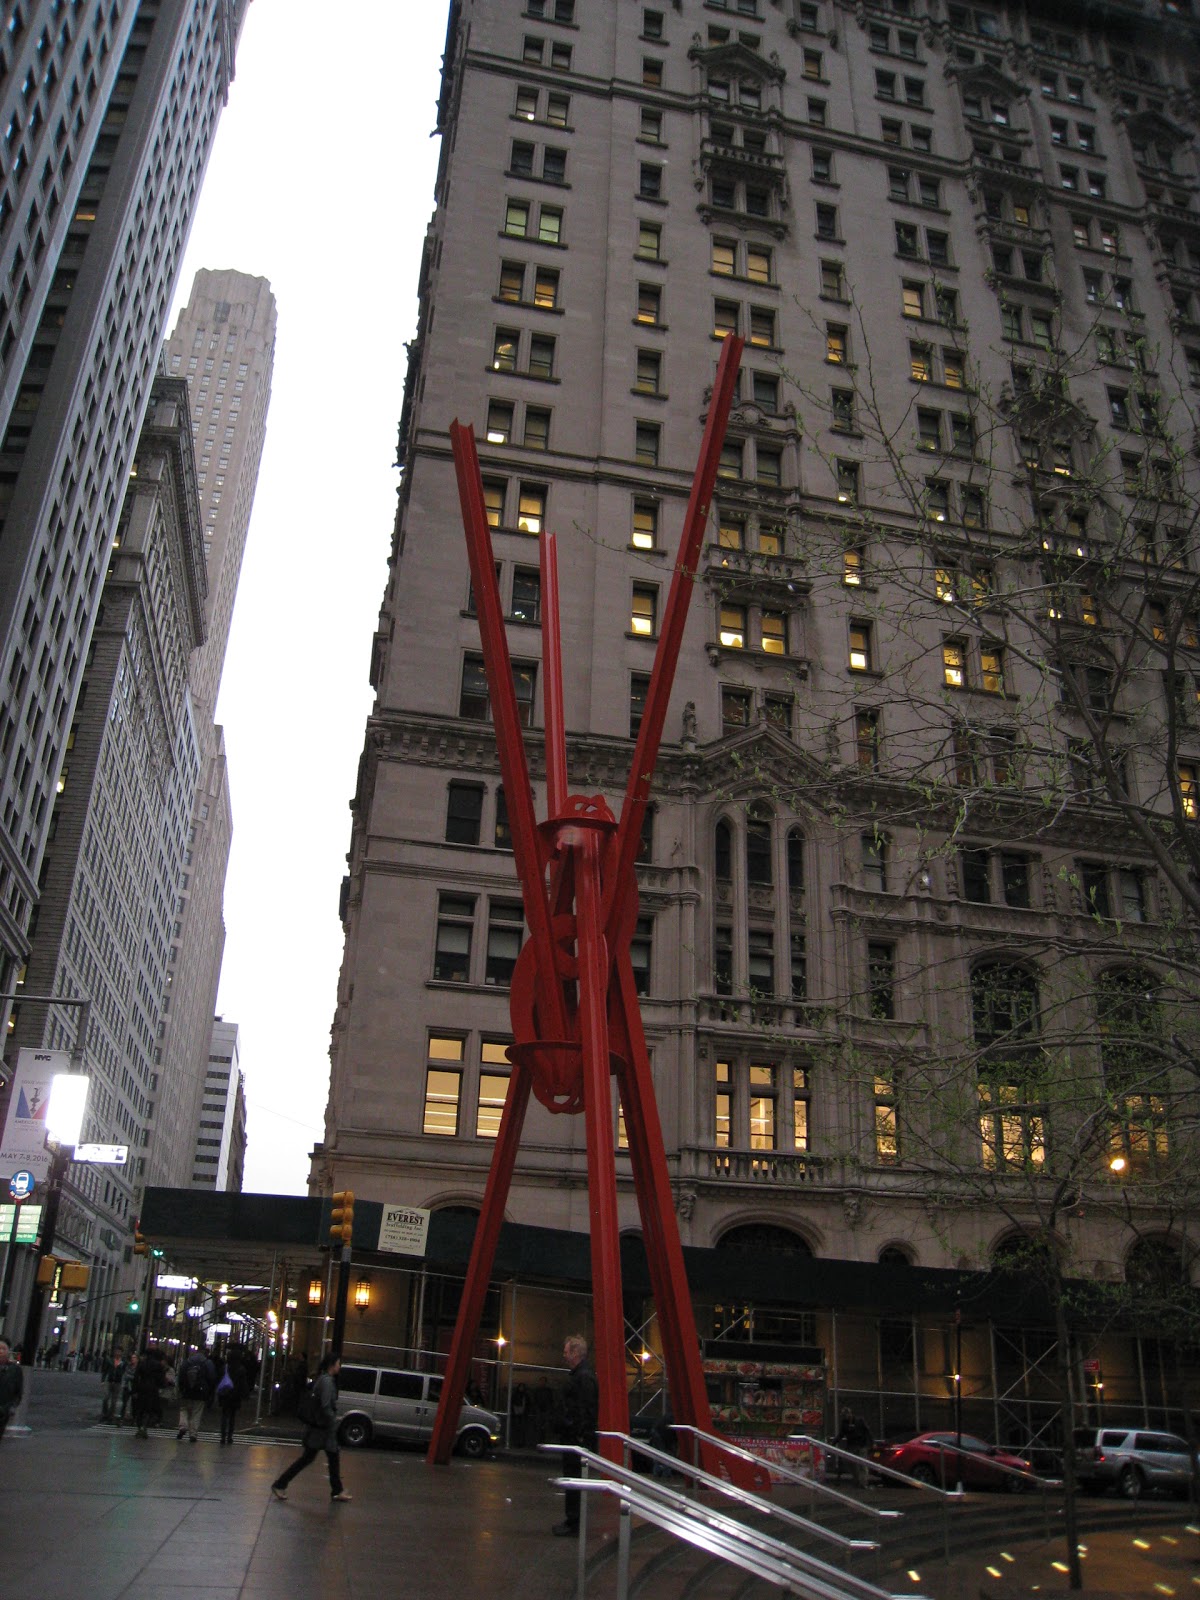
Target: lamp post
[[64, 1120]]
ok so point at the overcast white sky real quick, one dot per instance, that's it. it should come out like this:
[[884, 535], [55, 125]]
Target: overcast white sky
[[321, 180]]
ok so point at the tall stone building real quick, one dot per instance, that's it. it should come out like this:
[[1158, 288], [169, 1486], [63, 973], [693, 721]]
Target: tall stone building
[[917, 909], [223, 345], [119, 840], [109, 114]]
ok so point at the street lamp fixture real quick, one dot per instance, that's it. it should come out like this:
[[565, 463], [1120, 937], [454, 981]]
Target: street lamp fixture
[[314, 1291], [362, 1294], [64, 1111]]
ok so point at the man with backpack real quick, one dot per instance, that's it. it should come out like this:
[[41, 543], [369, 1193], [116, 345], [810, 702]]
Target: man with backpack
[[197, 1385]]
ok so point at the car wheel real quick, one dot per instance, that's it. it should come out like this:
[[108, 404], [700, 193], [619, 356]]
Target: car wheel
[[354, 1432], [923, 1473], [1132, 1482], [474, 1443], [1015, 1485]]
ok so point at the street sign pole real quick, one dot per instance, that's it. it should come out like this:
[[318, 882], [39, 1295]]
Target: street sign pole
[[10, 1261]]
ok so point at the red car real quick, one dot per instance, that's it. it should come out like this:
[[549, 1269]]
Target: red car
[[976, 1466]]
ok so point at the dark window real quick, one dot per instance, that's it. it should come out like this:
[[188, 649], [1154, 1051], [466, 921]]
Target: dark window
[[503, 941], [976, 878], [464, 812], [452, 951], [881, 980]]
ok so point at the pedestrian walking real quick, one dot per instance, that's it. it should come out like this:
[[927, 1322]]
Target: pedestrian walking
[[12, 1384], [581, 1410], [112, 1374], [854, 1436], [318, 1411], [231, 1391], [197, 1385], [127, 1377]]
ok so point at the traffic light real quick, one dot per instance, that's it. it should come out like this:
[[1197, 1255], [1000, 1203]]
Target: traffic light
[[135, 1306], [341, 1217], [47, 1271], [140, 1247]]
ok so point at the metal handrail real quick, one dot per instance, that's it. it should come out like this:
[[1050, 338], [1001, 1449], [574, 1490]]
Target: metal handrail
[[789, 1474], [802, 1575], [877, 1466], [744, 1497]]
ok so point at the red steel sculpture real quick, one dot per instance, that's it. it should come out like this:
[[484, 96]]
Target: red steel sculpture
[[574, 1007]]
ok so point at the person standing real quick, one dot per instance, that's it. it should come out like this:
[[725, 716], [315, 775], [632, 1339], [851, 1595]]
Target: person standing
[[854, 1436], [581, 1411], [112, 1373], [12, 1385], [320, 1433], [197, 1385], [148, 1379], [231, 1391]]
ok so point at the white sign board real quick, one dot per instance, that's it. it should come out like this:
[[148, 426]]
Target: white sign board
[[24, 1143], [404, 1230], [175, 1280], [109, 1155]]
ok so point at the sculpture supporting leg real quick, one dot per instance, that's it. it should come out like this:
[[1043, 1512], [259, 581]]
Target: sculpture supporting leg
[[607, 1304], [479, 1269], [660, 1233]]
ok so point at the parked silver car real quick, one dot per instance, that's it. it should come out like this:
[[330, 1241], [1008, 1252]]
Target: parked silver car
[[387, 1403], [1132, 1460]]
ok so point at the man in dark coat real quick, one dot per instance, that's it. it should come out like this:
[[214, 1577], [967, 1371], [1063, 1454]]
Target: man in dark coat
[[149, 1376], [319, 1434], [12, 1385], [581, 1409]]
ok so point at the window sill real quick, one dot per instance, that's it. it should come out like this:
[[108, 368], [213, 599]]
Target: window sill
[[515, 372], [649, 394], [736, 277], [653, 550], [828, 238], [653, 144], [866, 672], [532, 177], [825, 183], [651, 199], [657, 327], [650, 261], [532, 238], [527, 305]]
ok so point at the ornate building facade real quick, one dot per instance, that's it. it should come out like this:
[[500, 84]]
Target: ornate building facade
[[917, 908]]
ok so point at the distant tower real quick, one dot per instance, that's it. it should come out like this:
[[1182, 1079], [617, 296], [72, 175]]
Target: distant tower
[[220, 1154], [223, 345], [110, 115]]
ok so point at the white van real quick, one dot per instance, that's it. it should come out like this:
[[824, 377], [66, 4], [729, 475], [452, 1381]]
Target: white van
[[386, 1403]]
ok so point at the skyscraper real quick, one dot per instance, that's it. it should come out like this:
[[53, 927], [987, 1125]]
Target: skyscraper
[[108, 116], [219, 1156], [916, 914], [223, 346]]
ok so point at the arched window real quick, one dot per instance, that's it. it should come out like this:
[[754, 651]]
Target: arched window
[[1022, 1251], [765, 1238], [723, 840], [1127, 1014], [758, 847], [1012, 1116], [895, 1255]]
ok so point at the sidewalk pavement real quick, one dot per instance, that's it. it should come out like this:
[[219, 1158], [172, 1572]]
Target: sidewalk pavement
[[89, 1512]]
